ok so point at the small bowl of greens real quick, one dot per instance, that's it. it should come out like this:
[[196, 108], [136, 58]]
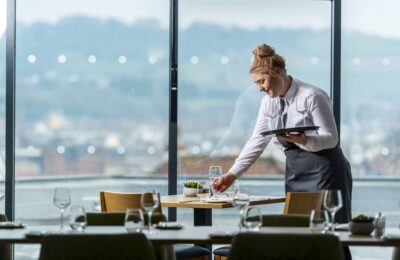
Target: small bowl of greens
[[362, 225], [190, 188]]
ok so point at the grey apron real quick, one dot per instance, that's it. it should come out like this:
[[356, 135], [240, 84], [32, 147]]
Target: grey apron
[[324, 170]]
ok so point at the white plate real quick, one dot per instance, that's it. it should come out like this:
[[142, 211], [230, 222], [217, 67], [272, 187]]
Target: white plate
[[217, 200]]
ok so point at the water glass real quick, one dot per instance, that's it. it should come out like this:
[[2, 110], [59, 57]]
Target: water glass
[[203, 190], [241, 200], [319, 221], [61, 199], [380, 225], [134, 221], [77, 218], [233, 190], [252, 219], [214, 174], [332, 203], [150, 201]]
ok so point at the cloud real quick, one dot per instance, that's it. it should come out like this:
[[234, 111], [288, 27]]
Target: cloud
[[367, 16]]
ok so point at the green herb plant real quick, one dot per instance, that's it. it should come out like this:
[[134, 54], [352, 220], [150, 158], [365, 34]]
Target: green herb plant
[[362, 219], [191, 184]]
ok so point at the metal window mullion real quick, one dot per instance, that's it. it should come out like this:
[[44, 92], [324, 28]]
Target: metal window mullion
[[10, 110], [336, 41], [173, 106]]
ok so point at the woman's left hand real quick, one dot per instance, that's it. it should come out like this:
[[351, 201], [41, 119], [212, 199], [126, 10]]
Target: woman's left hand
[[293, 138]]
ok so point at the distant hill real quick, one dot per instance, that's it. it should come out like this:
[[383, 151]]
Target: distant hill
[[138, 90]]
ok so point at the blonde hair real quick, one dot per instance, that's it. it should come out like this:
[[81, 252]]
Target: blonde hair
[[266, 61]]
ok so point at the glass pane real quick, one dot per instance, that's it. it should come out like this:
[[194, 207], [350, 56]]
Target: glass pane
[[370, 110], [3, 21], [92, 106], [218, 102]]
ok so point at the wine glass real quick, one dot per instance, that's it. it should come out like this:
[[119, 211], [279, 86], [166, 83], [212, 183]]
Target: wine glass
[[150, 201], [252, 219], [77, 218], [319, 221], [134, 220], [214, 174], [61, 199], [241, 200], [332, 203], [203, 190]]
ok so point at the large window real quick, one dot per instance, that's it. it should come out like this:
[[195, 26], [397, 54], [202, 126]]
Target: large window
[[91, 87], [370, 110], [3, 16], [218, 102], [92, 97]]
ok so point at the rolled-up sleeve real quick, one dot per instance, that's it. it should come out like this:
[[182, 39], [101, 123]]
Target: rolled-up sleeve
[[326, 137], [255, 145]]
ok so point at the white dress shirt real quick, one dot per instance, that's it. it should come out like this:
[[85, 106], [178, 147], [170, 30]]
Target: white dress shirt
[[306, 105]]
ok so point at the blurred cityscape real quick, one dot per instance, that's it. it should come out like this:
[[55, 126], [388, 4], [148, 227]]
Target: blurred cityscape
[[84, 108]]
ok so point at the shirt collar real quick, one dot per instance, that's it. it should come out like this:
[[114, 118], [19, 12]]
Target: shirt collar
[[291, 91]]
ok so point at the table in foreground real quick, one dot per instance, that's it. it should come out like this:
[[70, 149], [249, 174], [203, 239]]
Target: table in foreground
[[193, 234], [203, 210]]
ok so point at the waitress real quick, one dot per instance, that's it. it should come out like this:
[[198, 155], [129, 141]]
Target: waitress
[[314, 160]]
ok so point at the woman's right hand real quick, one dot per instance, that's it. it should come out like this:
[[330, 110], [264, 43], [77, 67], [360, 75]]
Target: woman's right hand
[[224, 182]]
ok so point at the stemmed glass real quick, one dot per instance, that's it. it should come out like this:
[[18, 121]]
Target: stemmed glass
[[214, 173], [61, 199], [150, 201], [241, 200], [332, 203]]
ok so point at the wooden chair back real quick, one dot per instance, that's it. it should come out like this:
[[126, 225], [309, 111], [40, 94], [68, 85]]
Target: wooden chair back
[[303, 202], [120, 201]]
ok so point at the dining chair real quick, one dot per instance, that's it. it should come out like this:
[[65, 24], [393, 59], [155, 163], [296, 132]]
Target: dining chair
[[303, 202], [118, 219], [130, 246], [270, 220], [298, 204], [119, 202], [5, 250], [286, 246]]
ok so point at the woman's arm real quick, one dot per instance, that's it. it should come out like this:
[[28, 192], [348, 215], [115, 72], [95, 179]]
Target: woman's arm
[[255, 145]]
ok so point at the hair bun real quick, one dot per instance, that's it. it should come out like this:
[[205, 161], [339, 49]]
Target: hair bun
[[263, 51]]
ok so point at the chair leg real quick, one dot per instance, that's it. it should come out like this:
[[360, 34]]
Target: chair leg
[[198, 258], [220, 257]]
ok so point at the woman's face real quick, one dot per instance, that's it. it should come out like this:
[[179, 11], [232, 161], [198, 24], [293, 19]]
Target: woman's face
[[273, 86]]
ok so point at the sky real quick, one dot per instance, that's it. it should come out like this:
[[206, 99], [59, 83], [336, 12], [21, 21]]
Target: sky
[[378, 17]]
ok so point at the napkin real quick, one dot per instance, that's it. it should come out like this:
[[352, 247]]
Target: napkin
[[11, 225], [169, 225]]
